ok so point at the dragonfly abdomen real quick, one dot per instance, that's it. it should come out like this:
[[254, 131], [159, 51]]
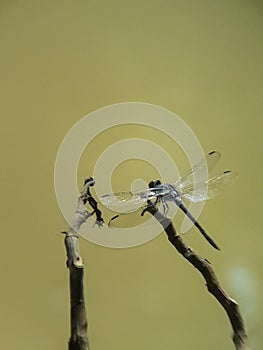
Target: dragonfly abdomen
[[195, 222]]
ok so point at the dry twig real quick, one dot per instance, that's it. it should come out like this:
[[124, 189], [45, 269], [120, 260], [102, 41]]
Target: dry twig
[[78, 319], [231, 307]]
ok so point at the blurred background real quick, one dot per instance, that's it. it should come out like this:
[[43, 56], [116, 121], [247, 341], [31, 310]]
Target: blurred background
[[61, 60]]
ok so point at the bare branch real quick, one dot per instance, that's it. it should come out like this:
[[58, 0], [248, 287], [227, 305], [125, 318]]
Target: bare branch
[[231, 307], [79, 325]]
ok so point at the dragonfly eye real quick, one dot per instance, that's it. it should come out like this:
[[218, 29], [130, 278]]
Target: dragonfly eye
[[154, 183], [90, 180]]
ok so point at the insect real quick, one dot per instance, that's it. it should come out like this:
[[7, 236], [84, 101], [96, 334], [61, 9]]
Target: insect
[[193, 186]]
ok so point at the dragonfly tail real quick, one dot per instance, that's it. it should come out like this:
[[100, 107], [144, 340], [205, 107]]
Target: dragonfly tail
[[200, 228]]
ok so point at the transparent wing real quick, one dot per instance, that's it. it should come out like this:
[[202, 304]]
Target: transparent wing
[[210, 188], [126, 202], [194, 186], [198, 173]]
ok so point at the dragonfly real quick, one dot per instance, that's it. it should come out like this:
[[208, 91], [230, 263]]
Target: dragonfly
[[194, 186]]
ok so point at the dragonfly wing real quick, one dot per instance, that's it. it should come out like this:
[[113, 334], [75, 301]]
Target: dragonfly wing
[[129, 206], [210, 188], [122, 202], [126, 202], [198, 173]]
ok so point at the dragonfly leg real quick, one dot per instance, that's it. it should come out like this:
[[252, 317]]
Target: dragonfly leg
[[165, 206]]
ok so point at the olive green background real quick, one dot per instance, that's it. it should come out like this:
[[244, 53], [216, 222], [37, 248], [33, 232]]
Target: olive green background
[[61, 60]]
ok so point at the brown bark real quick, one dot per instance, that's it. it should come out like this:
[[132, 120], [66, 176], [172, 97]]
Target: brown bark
[[231, 307]]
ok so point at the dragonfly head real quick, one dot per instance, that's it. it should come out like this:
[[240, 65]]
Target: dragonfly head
[[89, 180], [154, 183]]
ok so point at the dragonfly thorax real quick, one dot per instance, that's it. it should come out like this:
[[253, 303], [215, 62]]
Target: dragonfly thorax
[[166, 191]]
